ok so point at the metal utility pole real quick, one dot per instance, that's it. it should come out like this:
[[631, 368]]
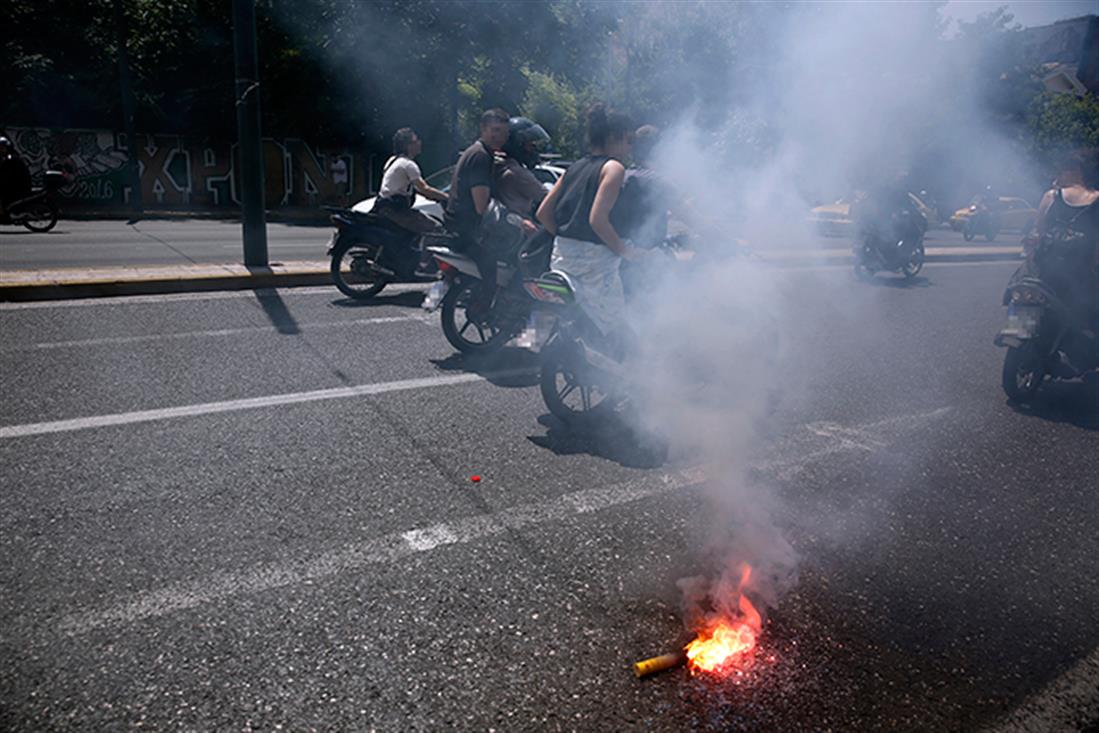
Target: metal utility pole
[[248, 133], [133, 179]]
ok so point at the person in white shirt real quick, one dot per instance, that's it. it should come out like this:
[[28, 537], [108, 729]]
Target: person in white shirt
[[401, 181]]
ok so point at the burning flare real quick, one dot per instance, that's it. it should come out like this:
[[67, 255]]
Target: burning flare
[[726, 641]]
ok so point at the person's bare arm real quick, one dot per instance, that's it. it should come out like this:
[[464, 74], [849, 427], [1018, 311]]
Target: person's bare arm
[[1043, 209], [610, 185], [429, 192], [545, 209], [481, 196]]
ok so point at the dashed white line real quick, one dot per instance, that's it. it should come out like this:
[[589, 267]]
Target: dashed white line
[[1069, 703], [119, 340], [402, 544], [210, 408], [387, 548], [211, 295]]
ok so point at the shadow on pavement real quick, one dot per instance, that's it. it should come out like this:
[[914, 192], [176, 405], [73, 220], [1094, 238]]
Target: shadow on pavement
[[612, 440], [276, 310], [900, 283], [520, 365], [408, 299], [1075, 403]]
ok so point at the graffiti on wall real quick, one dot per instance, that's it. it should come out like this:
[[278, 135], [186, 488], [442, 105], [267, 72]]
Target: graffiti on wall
[[178, 172]]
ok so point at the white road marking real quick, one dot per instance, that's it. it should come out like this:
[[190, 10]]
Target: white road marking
[[211, 295], [1066, 704], [210, 408], [422, 540], [839, 439], [385, 549], [119, 340], [398, 545]]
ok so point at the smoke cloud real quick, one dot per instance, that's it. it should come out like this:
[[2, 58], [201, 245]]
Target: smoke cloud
[[842, 95]]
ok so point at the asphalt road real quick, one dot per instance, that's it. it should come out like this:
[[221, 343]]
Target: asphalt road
[[201, 531], [106, 243], [195, 241]]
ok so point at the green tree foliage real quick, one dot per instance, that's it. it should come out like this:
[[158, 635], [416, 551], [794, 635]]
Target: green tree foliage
[[1059, 122], [350, 72]]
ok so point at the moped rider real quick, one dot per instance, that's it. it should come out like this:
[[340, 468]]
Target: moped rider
[[401, 181], [578, 211], [1068, 233], [471, 189]]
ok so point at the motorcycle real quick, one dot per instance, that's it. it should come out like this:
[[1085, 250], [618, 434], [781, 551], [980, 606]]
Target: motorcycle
[[582, 385], [1043, 335], [899, 249], [38, 212], [980, 221], [470, 325], [368, 252]]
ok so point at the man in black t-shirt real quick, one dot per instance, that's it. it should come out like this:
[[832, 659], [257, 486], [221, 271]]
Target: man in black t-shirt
[[470, 192]]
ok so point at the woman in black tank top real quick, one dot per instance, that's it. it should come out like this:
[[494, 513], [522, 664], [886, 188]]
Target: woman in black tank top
[[578, 212], [1069, 218]]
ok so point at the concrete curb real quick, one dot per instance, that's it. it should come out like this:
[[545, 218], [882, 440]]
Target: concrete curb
[[102, 282]]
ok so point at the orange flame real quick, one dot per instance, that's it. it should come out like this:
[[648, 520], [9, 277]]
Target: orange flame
[[724, 641]]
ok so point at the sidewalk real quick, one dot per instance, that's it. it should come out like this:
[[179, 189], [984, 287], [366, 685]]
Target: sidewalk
[[97, 282]]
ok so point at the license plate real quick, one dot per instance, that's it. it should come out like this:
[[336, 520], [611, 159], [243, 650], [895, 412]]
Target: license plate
[[1022, 321], [435, 295], [331, 243]]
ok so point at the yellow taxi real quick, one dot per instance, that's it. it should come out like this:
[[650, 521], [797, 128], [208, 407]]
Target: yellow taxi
[[834, 220], [1014, 213]]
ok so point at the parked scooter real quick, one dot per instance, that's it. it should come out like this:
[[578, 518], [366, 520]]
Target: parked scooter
[[39, 211], [368, 252], [895, 246]]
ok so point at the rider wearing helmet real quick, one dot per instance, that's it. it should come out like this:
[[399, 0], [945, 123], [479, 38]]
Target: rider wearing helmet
[[516, 186], [520, 192]]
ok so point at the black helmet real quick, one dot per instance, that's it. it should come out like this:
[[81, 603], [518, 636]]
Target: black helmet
[[520, 132]]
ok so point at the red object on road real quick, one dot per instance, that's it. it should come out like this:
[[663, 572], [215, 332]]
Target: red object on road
[[475, 479]]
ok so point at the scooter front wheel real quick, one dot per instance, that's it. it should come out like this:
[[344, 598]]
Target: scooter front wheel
[[467, 330]]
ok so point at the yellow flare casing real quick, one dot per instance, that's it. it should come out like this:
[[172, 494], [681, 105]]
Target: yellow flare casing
[[647, 667]]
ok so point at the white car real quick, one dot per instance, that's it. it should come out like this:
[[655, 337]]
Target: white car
[[546, 173]]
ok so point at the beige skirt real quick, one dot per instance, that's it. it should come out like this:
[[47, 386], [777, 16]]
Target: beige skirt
[[594, 271]]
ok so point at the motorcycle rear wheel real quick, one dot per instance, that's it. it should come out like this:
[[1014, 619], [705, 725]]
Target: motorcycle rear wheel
[[566, 395], [915, 263], [40, 216], [1023, 372], [474, 336], [352, 272]]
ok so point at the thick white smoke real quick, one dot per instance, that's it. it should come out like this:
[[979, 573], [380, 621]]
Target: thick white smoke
[[850, 94]]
